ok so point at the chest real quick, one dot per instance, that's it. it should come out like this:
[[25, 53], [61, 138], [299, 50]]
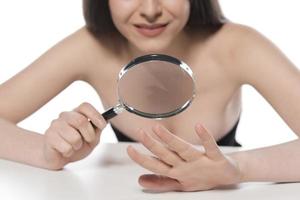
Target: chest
[[216, 105]]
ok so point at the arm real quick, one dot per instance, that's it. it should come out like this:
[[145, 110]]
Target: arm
[[38, 83], [278, 163], [69, 138], [21, 145], [264, 67], [30, 89]]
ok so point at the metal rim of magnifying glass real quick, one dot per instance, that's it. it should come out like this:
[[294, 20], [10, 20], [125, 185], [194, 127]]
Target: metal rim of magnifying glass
[[149, 58]]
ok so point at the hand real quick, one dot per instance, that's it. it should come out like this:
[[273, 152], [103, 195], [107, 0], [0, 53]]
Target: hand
[[179, 166], [72, 136]]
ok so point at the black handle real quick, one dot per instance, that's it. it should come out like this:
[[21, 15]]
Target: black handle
[[110, 113]]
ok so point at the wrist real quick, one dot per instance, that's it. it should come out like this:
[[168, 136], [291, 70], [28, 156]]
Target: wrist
[[238, 158]]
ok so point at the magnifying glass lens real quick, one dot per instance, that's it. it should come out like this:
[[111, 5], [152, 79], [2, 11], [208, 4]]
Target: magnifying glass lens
[[156, 87]]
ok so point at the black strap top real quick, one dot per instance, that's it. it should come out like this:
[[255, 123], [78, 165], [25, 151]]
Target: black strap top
[[227, 140]]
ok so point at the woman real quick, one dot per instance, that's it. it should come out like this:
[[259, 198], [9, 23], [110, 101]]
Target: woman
[[229, 55]]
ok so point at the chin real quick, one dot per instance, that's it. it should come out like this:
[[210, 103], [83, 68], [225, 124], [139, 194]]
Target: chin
[[152, 47]]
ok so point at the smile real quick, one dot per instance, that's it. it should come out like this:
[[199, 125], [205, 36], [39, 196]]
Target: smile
[[152, 30]]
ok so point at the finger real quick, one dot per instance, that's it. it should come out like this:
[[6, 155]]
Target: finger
[[81, 123], [97, 137], [89, 131], [159, 183], [148, 162], [159, 150], [71, 135], [86, 129], [91, 113], [211, 148], [184, 149], [60, 145]]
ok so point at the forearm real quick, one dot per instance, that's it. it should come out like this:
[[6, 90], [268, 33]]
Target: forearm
[[21, 145], [278, 163]]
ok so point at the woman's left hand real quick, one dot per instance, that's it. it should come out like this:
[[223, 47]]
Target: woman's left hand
[[179, 166]]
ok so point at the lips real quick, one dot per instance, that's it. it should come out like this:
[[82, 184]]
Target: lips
[[151, 30]]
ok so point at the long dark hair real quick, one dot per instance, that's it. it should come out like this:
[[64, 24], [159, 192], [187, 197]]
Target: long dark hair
[[203, 13]]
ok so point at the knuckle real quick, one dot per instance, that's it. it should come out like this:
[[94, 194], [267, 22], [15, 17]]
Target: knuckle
[[63, 115], [81, 121], [77, 139], [67, 150], [54, 123], [50, 132], [57, 124], [84, 106], [77, 142]]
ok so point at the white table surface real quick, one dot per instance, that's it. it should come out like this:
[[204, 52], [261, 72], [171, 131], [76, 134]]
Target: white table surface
[[109, 174]]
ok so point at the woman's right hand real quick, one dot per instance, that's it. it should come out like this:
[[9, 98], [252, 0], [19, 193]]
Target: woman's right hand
[[72, 136]]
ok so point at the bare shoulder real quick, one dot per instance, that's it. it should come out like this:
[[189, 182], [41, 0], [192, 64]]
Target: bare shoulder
[[82, 48], [234, 33], [86, 41], [239, 47], [236, 38], [94, 52]]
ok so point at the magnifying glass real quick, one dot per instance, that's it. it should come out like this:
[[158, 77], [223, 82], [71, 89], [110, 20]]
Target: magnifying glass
[[154, 86]]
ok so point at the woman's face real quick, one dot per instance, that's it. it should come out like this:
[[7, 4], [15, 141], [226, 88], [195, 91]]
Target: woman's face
[[150, 25]]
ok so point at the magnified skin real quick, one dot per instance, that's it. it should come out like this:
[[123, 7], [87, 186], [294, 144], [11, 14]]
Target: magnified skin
[[156, 87]]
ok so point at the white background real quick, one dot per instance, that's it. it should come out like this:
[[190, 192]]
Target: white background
[[28, 28]]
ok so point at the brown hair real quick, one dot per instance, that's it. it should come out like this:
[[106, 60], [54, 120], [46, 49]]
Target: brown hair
[[203, 13]]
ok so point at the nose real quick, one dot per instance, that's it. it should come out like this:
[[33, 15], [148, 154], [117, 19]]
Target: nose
[[150, 9]]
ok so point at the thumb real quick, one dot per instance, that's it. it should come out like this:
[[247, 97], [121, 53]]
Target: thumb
[[159, 183]]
